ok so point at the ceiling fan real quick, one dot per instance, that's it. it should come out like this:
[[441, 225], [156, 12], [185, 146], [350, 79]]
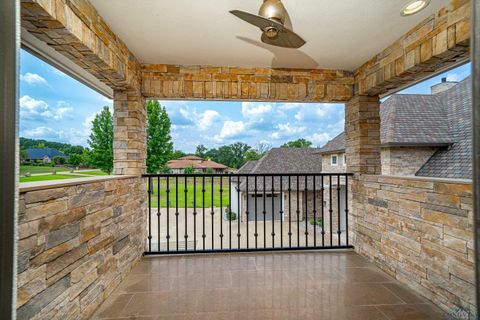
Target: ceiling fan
[[271, 20]]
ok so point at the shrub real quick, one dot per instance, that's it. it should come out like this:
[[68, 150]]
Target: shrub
[[230, 216], [318, 222]]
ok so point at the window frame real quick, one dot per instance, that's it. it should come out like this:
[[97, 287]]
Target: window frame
[[336, 160]]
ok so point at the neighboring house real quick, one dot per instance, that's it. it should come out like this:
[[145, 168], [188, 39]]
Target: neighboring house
[[421, 134], [197, 163], [43, 154], [273, 194]]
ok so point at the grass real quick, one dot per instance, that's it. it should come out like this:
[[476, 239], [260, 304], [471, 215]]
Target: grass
[[190, 188], [93, 173], [49, 177], [41, 169]]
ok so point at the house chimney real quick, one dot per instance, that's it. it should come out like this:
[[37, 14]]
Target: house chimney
[[442, 86]]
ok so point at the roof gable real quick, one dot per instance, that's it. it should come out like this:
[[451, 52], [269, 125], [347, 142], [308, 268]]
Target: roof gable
[[286, 160]]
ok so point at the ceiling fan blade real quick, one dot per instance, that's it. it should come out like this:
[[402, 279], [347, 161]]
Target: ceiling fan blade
[[258, 21], [286, 38]]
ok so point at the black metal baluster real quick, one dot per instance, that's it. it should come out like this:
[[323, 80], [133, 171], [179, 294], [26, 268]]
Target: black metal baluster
[[149, 214], [306, 210], [176, 210], [238, 218], [221, 212], [338, 209], [213, 215], [168, 213], [322, 189], [247, 211], [256, 230], [330, 210], [346, 209], [264, 216], [314, 212], [289, 212], [281, 212], [298, 211], [203, 211], [194, 213], [230, 212], [185, 189], [158, 213], [273, 211]]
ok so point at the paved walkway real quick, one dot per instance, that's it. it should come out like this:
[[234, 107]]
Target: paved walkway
[[216, 225], [312, 285]]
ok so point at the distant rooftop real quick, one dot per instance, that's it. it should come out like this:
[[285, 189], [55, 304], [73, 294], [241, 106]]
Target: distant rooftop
[[41, 153]]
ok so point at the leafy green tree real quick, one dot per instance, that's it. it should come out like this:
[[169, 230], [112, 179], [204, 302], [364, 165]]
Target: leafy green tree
[[233, 155], [23, 156], [159, 141], [252, 155], [59, 160], [75, 159], [101, 141], [201, 151], [177, 154], [299, 143], [189, 170]]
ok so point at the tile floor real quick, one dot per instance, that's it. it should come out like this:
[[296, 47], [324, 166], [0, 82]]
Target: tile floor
[[300, 285]]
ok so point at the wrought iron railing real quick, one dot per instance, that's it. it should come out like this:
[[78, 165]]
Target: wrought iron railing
[[246, 212]]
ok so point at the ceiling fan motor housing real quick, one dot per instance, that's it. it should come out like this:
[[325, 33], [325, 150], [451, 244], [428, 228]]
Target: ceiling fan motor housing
[[273, 10]]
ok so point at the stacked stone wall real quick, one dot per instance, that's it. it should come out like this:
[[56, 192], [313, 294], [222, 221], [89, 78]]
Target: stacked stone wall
[[76, 243], [420, 231]]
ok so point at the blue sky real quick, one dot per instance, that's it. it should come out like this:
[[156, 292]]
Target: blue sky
[[55, 107]]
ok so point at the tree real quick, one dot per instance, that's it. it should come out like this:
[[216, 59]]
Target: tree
[[201, 151], [101, 141], [58, 160], [299, 143], [258, 152], [23, 156], [75, 159], [189, 170], [177, 154], [159, 141]]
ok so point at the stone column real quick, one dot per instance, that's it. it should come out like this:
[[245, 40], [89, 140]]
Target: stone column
[[129, 137], [362, 135]]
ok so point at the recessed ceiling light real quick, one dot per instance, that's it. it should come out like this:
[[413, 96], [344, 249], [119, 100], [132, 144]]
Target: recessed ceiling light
[[413, 7]]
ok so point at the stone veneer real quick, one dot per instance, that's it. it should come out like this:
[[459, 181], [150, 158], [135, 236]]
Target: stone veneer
[[435, 44], [419, 230], [161, 81], [76, 242], [404, 161], [130, 133]]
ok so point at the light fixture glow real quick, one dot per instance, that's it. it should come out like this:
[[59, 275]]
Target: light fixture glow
[[413, 7]]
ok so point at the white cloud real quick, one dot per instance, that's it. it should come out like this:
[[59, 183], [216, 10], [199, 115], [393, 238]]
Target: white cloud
[[207, 118], [316, 112], [230, 130], [319, 138], [33, 109], [41, 132], [255, 110], [33, 79], [287, 130]]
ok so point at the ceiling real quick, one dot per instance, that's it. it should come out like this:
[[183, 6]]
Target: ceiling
[[340, 34]]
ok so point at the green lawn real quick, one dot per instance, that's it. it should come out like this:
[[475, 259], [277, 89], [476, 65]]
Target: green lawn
[[50, 177], [190, 193], [41, 169], [94, 173]]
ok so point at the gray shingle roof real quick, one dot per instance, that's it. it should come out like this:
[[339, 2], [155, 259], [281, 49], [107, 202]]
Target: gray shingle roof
[[40, 153], [284, 160], [442, 119], [454, 161]]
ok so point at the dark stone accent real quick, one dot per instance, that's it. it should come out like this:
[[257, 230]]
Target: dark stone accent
[[41, 300], [120, 244], [62, 235], [23, 261], [117, 212], [378, 202], [449, 210]]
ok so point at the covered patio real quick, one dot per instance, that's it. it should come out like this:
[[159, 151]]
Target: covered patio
[[76, 248]]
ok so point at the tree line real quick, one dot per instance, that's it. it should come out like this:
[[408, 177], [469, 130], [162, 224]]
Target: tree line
[[159, 145]]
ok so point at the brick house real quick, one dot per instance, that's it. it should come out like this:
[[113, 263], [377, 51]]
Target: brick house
[[198, 164], [425, 135]]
